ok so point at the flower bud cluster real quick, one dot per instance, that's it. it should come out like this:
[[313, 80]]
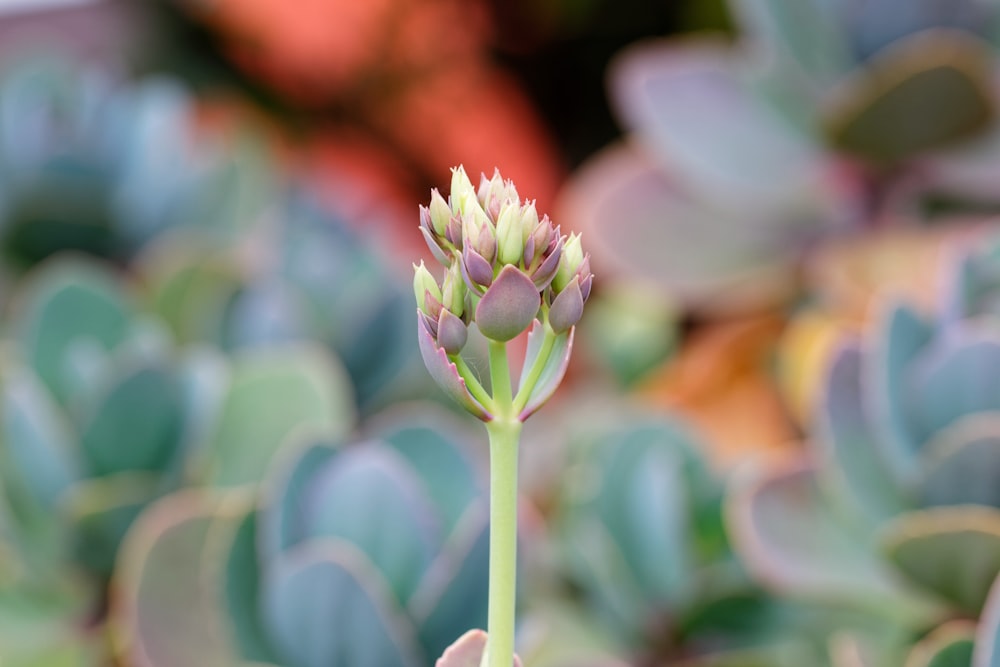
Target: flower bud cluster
[[506, 267]]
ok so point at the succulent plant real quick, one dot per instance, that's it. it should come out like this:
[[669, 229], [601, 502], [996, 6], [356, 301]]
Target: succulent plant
[[824, 117], [640, 536], [299, 273], [896, 511], [103, 415], [369, 552], [93, 164]]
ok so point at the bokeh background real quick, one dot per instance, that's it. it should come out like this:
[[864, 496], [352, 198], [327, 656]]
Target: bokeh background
[[778, 443]]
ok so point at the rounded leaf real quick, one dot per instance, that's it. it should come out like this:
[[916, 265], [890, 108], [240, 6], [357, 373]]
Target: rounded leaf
[[509, 305], [325, 606]]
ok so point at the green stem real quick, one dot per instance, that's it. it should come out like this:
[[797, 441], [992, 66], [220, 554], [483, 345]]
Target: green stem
[[504, 436], [500, 377], [472, 382], [529, 381]]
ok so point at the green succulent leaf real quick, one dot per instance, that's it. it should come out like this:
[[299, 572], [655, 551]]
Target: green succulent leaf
[[926, 91], [326, 606], [899, 337], [136, 423], [369, 497], [274, 392], [953, 552], [950, 645], [39, 448], [453, 594], [845, 432], [243, 575], [693, 106], [809, 32], [168, 611], [102, 511], [958, 375], [281, 522], [987, 650], [962, 464], [793, 540], [440, 450], [64, 307]]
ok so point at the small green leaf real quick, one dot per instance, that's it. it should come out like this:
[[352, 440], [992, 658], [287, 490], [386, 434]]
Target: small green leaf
[[951, 551]]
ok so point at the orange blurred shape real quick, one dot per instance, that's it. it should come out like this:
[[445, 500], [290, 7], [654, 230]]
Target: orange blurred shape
[[721, 383], [850, 279], [313, 49], [474, 114]]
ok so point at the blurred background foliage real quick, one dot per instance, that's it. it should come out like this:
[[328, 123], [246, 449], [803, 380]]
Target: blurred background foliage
[[779, 438]]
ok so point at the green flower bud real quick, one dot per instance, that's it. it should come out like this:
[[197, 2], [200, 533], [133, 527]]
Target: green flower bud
[[424, 284], [510, 241], [569, 263], [440, 213], [453, 290], [529, 221], [463, 195]]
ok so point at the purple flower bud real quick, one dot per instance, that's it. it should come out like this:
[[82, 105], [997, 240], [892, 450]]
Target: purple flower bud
[[546, 271], [440, 254], [508, 306], [453, 232], [451, 333], [446, 374], [567, 308], [477, 271]]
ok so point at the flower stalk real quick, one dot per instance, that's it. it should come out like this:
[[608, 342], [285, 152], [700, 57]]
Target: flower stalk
[[510, 273]]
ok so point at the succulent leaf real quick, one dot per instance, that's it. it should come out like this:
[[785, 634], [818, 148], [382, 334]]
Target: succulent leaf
[[368, 496], [844, 430], [962, 463], [327, 607], [38, 442], [272, 393], [136, 424], [162, 591], [899, 338], [454, 592], [952, 551], [242, 593], [445, 373], [987, 650], [916, 72], [467, 651], [792, 540], [949, 645], [509, 305], [439, 449], [553, 371], [64, 304]]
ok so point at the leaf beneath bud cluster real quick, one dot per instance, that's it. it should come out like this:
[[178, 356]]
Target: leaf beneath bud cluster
[[509, 305]]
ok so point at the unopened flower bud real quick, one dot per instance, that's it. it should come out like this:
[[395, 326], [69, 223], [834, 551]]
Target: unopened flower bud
[[424, 285], [452, 333], [462, 195], [510, 243], [569, 263], [453, 291], [439, 212], [567, 308]]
